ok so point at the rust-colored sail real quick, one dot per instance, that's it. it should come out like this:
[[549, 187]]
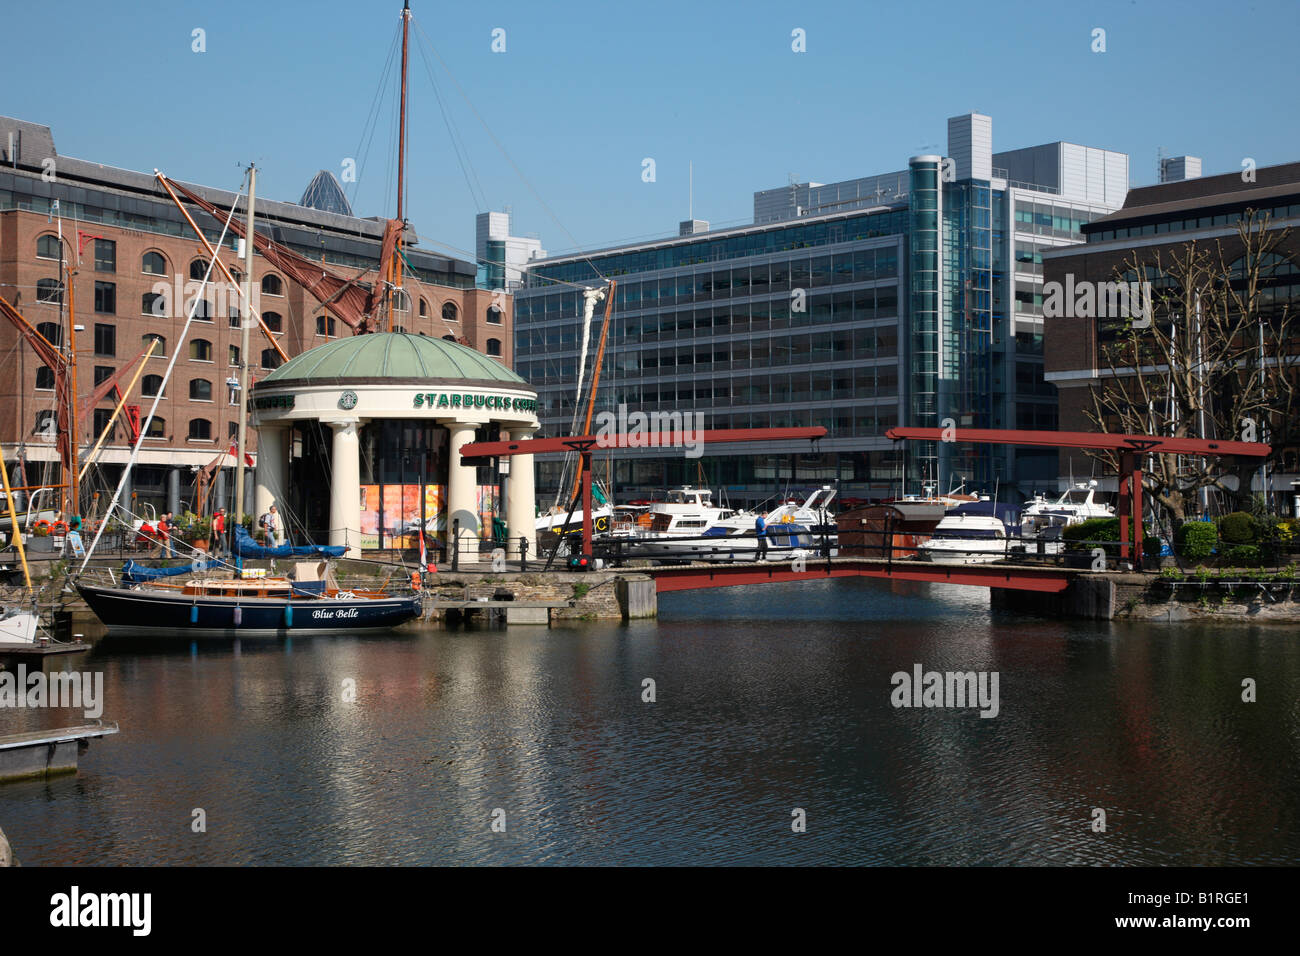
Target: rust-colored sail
[[352, 301]]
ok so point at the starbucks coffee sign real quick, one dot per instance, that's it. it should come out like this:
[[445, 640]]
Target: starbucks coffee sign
[[471, 400]]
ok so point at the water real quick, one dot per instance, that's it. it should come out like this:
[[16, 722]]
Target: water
[[769, 698]]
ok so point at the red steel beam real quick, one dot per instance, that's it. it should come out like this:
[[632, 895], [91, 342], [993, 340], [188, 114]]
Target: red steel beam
[[692, 578], [1124, 443], [542, 446]]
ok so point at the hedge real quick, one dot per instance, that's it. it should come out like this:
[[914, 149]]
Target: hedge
[[1239, 527], [1196, 539], [1243, 556]]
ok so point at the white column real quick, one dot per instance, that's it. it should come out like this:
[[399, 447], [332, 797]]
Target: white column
[[345, 487], [521, 508], [270, 487], [462, 490]]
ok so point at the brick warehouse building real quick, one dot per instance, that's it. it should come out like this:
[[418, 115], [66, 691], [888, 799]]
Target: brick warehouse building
[[1162, 219], [134, 242]]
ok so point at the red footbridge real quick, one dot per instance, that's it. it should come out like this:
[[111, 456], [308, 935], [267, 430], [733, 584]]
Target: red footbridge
[[1017, 577]]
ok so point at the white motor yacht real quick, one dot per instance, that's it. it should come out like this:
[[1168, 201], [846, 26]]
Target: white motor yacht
[[974, 533], [1044, 519]]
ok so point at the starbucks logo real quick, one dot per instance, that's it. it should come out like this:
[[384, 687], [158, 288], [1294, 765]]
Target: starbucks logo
[[348, 400]]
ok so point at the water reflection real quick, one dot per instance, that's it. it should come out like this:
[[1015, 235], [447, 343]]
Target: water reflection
[[768, 698]]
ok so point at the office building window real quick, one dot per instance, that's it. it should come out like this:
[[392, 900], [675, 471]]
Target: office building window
[[160, 348], [106, 298], [200, 429], [105, 339], [44, 377], [103, 373], [449, 312], [271, 359], [157, 428], [272, 285], [153, 263], [200, 390], [493, 346], [105, 255], [151, 385], [274, 321], [201, 350], [198, 269], [102, 418], [49, 290], [153, 303], [47, 247], [52, 332]]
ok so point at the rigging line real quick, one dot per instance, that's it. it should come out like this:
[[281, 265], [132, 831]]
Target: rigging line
[[373, 114], [519, 172], [453, 135], [144, 426]]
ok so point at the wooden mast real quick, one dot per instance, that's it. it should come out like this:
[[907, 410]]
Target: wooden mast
[[395, 269], [244, 323]]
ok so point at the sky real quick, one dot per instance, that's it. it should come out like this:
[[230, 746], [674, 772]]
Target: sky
[[558, 125]]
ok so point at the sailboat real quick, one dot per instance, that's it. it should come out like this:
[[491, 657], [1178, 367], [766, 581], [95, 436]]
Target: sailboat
[[145, 602]]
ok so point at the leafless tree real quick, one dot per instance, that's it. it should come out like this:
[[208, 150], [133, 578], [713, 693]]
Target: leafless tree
[[1215, 356]]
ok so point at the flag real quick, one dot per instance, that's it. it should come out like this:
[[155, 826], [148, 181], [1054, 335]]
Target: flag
[[424, 555], [233, 453]]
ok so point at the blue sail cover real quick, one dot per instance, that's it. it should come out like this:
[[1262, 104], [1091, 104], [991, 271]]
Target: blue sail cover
[[246, 547], [136, 573]]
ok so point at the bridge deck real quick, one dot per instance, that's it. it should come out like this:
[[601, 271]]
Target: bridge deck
[[1017, 577]]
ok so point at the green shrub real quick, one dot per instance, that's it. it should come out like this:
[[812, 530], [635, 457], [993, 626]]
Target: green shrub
[[1196, 539], [1243, 556], [1240, 527]]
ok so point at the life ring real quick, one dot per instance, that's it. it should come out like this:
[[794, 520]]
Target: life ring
[[415, 580], [60, 525], [41, 525]]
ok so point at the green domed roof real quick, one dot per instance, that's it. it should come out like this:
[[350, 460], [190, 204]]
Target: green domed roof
[[390, 356]]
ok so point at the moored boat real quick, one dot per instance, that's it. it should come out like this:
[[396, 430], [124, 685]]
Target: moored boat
[[267, 607]]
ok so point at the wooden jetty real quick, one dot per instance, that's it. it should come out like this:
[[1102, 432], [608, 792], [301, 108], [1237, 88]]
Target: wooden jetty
[[44, 753]]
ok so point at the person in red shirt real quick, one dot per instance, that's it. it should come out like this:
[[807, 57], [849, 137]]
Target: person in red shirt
[[217, 543]]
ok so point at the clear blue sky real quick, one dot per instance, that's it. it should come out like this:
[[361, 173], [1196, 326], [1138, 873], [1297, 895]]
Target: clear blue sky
[[586, 90]]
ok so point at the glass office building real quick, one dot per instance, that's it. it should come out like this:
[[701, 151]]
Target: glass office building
[[894, 299]]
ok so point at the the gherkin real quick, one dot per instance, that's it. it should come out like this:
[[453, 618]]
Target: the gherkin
[[325, 193]]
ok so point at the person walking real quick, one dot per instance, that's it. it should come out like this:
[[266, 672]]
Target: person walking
[[165, 526], [216, 541], [760, 530]]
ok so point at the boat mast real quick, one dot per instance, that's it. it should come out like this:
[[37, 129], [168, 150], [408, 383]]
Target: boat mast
[[245, 323], [395, 270], [70, 378], [595, 375]]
